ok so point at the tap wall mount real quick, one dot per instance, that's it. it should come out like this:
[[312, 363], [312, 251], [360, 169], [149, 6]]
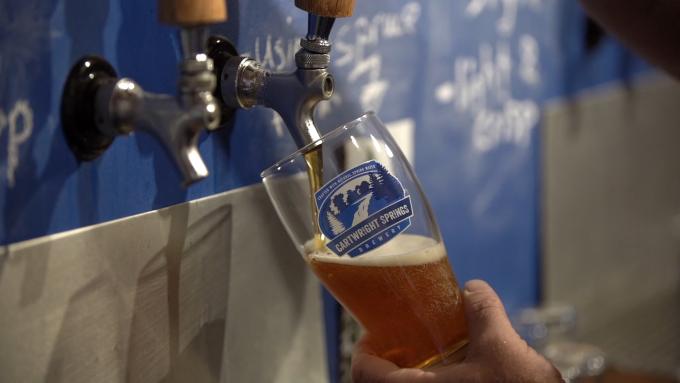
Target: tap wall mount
[[244, 83], [98, 106]]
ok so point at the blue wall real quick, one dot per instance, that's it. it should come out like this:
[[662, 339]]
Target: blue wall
[[471, 76]]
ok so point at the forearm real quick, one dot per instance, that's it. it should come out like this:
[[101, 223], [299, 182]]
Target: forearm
[[649, 27]]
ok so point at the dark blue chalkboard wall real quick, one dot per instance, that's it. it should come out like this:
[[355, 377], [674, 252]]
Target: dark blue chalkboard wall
[[466, 79]]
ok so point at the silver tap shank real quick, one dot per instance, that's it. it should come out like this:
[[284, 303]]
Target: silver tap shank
[[245, 83], [176, 122]]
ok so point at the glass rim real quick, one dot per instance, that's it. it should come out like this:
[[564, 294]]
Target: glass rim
[[307, 148]]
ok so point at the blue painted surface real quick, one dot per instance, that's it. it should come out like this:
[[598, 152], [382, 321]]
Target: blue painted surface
[[50, 191], [470, 75]]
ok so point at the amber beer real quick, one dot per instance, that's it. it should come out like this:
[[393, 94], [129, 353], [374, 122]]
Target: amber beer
[[404, 294]]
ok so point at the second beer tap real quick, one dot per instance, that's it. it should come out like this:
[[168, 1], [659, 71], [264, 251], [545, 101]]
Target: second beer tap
[[244, 83]]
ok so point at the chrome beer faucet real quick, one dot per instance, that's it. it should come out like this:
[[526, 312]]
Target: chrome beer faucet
[[97, 106], [120, 106], [244, 83], [176, 121]]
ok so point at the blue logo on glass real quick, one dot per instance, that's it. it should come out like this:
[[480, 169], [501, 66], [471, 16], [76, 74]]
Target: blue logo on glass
[[362, 208]]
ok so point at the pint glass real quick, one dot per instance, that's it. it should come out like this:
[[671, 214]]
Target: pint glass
[[356, 212]]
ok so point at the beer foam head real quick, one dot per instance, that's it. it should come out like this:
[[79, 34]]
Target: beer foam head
[[403, 250]]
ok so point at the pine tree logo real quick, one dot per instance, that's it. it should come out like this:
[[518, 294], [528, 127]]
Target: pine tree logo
[[354, 211], [336, 226]]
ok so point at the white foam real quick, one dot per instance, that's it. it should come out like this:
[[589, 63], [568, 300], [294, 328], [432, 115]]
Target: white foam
[[405, 249]]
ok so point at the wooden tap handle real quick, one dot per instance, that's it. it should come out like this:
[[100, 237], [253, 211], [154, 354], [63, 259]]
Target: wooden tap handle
[[186, 13], [327, 8]]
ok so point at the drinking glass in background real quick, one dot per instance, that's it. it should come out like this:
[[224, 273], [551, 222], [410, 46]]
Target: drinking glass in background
[[357, 213]]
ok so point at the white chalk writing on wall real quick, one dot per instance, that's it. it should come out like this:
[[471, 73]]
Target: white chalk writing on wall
[[275, 53], [481, 87], [509, 8], [356, 43], [482, 84], [529, 68], [19, 124]]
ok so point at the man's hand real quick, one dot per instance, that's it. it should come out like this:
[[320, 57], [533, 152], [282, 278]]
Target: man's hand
[[495, 353]]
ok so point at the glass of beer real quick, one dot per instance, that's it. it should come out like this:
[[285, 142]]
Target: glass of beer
[[356, 212]]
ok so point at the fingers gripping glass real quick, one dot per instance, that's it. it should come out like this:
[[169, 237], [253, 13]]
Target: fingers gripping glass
[[355, 210]]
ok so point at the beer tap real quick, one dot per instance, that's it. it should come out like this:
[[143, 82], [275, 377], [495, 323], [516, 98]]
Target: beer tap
[[244, 83], [98, 106]]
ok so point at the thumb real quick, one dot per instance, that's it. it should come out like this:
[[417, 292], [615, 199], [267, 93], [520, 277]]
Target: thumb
[[485, 313]]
